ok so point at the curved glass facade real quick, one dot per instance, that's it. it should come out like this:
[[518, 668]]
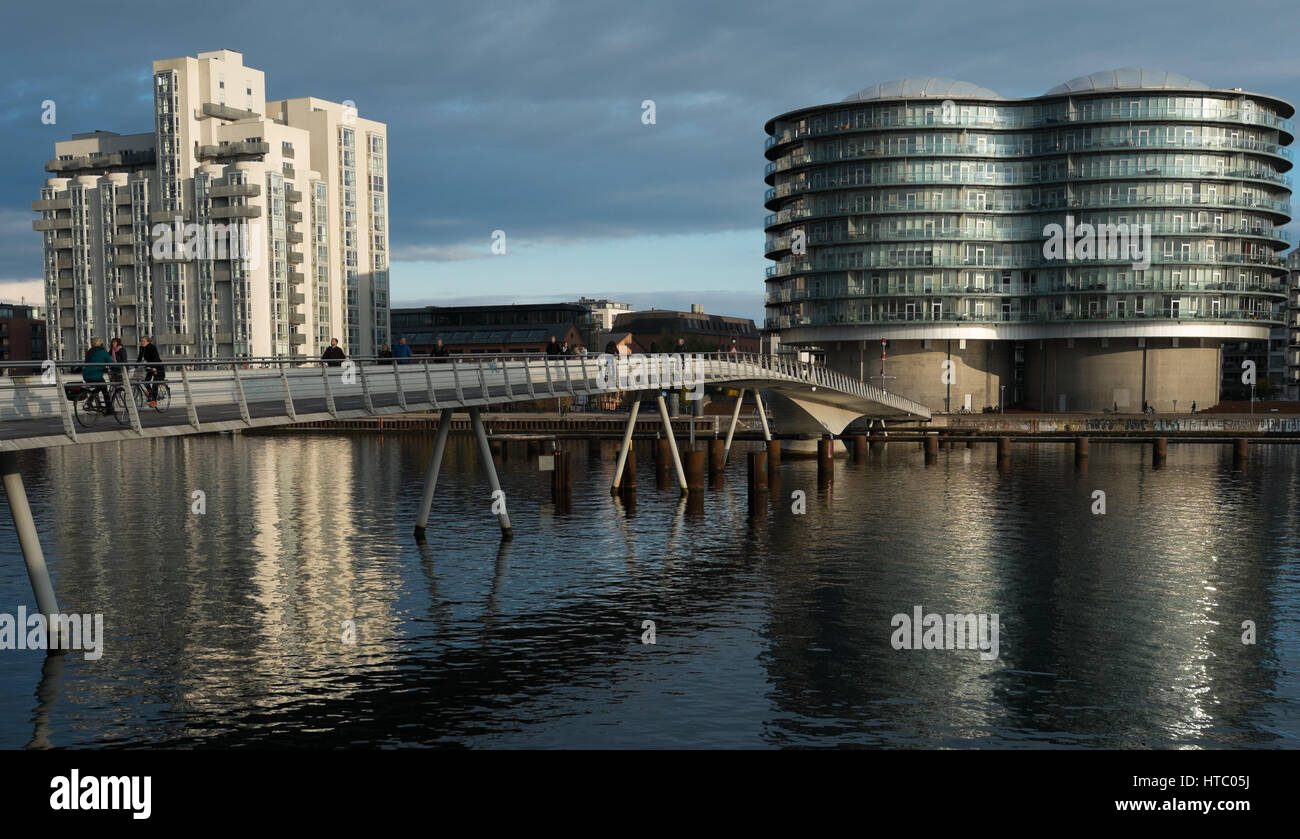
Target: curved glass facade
[[926, 216]]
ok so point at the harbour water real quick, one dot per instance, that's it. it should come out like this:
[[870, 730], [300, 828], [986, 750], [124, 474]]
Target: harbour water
[[227, 627]]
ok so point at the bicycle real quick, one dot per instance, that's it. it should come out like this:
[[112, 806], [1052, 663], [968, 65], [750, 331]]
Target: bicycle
[[92, 400], [162, 394]]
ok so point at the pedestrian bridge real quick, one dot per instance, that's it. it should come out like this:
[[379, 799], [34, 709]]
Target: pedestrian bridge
[[250, 393], [229, 394]]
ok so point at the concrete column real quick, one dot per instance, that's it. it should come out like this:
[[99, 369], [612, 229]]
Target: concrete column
[[1159, 449], [773, 454], [931, 448], [30, 542], [1080, 449], [757, 482], [1004, 448], [431, 472], [1240, 447], [859, 447], [486, 450]]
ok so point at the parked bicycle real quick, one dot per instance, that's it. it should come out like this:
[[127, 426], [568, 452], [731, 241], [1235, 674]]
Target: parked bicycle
[[92, 401]]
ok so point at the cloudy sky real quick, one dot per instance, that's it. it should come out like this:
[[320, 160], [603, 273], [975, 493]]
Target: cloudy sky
[[526, 117]]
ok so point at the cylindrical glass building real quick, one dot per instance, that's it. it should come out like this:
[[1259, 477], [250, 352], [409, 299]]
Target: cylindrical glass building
[[1087, 249]]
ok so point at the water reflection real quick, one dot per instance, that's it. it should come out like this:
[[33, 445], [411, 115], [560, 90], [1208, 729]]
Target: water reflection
[[227, 627]]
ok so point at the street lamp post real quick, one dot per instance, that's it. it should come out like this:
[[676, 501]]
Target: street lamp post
[[1002, 400]]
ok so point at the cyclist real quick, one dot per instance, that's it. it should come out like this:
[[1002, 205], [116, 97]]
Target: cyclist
[[93, 372], [149, 353]]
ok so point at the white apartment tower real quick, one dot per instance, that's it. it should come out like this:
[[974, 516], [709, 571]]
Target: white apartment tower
[[298, 185]]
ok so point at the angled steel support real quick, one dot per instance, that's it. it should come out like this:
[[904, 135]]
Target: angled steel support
[[731, 429], [288, 396], [329, 390], [485, 450], [239, 394], [431, 473], [365, 388], [762, 414], [65, 405], [627, 442], [397, 378], [191, 411], [30, 542], [672, 442]]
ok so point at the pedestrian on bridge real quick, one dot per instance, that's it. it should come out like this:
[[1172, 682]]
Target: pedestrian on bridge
[[96, 358], [333, 354], [385, 355], [439, 350], [154, 372], [402, 352]]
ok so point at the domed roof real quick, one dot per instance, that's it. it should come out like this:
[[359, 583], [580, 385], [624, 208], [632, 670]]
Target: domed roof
[[1128, 78], [918, 86]]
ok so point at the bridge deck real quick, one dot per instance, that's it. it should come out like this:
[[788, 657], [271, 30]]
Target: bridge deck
[[34, 415]]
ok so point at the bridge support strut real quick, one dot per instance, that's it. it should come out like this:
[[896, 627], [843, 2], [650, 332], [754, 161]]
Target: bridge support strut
[[627, 443], [30, 542], [431, 473], [486, 450], [731, 430], [762, 415], [672, 443]]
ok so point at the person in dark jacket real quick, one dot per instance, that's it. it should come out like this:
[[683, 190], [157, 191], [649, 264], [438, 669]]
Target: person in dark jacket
[[96, 358], [402, 352], [148, 354], [553, 348], [385, 355], [333, 353], [610, 348], [118, 352], [440, 350]]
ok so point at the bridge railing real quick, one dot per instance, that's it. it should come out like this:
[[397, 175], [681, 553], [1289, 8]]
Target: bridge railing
[[357, 386]]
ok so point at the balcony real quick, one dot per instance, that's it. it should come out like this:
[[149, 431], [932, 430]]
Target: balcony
[[292, 195], [167, 216], [293, 237], [64, 223], [244, 190], [241, 148], [126, 300], [294, 257], [122, 196], [210, 109], [183, 339], [63, 243], [123, 220], [102, 161], [124, 240], [127, 258], [296, 299], [296, 277], [297, 318], [46, 204], [297, 339], [224, 337], [66, 282], [293, 216], [238, 211]]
